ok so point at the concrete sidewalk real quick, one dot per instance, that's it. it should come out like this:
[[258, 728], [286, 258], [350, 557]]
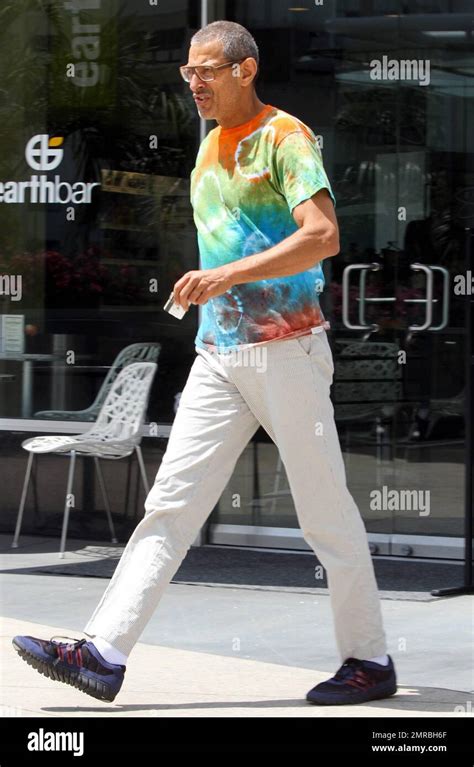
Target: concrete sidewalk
[[225, 651], [161, 681]]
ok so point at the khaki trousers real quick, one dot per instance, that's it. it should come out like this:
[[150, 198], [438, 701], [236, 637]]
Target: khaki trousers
[[285, 387]]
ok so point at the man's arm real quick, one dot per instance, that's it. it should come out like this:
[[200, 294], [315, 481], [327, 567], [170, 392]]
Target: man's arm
[[317, 238]]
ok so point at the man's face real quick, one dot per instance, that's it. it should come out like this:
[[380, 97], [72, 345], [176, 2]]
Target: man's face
[[221, 97]]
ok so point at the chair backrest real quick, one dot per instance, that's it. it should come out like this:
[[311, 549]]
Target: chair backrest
[[123, 412], [143, 352]]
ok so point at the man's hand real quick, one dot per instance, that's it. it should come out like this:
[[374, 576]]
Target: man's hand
[[198, 286]]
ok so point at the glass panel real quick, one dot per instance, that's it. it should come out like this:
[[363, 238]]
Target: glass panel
[[98, 136], [429, 426], [396, 148]]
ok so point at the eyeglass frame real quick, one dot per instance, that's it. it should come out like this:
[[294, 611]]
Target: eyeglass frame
[[212, 66]]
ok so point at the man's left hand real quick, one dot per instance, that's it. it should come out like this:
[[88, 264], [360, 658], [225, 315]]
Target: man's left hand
[[198, 286]]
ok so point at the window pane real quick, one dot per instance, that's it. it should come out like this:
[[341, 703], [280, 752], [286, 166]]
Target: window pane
[[98, 136]]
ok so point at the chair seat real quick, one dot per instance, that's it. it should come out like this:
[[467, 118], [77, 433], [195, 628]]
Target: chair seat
[[68, 415], [52, 443]]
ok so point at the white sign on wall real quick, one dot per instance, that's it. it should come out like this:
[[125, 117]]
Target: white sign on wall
[[12, 333]]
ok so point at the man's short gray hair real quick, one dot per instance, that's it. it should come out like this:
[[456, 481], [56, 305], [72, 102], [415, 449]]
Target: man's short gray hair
[[237, 42]]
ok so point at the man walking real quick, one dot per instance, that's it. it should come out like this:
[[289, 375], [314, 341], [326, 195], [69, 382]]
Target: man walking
[[265, 217]]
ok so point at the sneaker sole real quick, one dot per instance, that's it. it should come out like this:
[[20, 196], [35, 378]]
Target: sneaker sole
[[90, 686], [347, 702]]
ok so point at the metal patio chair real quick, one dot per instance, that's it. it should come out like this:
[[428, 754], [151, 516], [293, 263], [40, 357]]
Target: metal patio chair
[[115, 434]]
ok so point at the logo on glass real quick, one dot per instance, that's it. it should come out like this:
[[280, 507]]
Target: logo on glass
[[41, 152]]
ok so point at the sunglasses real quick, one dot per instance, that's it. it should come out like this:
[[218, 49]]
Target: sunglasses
[[205, 72]]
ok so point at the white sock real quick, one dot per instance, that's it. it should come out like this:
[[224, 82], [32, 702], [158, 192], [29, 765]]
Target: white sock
[[382, 659], [108, 651]]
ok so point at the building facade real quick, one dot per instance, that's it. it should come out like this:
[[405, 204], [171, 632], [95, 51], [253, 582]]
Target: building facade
[[99, 135]]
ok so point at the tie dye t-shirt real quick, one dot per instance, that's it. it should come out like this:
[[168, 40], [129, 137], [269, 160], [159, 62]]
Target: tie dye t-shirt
[[245, 184]]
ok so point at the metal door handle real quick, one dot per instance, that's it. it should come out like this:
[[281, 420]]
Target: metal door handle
[[429, 300], [363, 300], [445, 308], [362, 268]]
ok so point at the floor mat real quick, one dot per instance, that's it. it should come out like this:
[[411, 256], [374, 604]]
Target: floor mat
[[245, 568]]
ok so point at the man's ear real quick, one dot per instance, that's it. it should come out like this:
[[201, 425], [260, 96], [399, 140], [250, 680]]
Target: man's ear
[[248, 70]]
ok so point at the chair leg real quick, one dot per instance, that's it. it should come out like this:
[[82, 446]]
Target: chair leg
[[106, 500], [39, 517], [23, 501], [127, 490], [142, 469], [35, 486], [70, 480], [276, 484]]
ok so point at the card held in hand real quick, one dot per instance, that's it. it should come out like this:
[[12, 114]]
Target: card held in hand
[[173, 308]]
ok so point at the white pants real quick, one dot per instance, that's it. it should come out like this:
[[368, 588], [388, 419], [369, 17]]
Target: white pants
[[224, 401]]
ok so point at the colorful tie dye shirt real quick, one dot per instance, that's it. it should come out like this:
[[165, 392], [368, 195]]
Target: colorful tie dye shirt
[[246, 182]]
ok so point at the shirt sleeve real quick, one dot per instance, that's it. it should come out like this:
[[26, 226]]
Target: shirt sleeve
[[298, 170]]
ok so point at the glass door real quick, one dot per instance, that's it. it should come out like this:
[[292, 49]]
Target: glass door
[[390, 94], [397, 297]]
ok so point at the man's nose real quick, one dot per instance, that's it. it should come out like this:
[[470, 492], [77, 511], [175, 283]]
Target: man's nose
[[195, 81]]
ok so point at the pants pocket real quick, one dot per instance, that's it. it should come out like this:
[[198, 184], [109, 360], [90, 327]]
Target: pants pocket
[[306, 343], [316, 345]]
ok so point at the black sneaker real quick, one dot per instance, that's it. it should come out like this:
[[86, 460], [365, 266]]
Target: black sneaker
[[357, 681], [79, 664]]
